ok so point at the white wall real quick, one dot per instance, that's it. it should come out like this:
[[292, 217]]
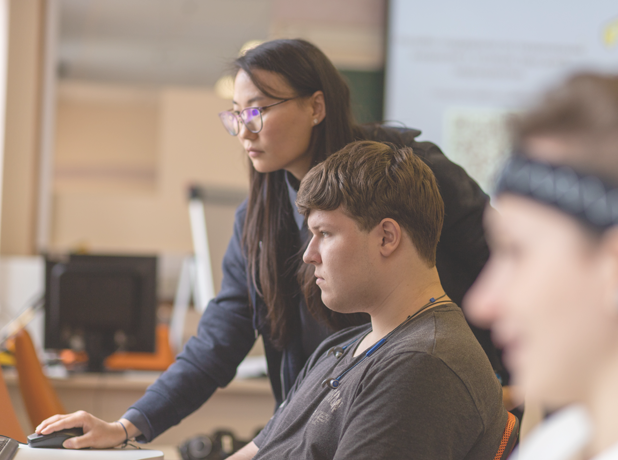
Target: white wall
[[22, 282]]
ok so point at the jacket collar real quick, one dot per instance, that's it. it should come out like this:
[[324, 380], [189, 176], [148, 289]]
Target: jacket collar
[[292, 192]]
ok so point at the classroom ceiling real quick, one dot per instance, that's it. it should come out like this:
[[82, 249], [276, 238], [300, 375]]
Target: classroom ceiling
[[161, 42]]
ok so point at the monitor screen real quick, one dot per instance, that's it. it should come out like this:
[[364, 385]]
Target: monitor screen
[[103, 303]]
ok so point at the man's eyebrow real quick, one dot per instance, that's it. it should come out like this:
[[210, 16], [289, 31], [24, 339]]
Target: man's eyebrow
[[319, 225]]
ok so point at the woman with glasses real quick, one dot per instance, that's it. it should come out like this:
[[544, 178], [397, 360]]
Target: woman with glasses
[[550, 288], [291, 110]]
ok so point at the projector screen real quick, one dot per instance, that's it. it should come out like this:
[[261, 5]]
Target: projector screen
[[456, 69]]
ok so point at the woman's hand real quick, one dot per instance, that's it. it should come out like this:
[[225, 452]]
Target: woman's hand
[[97, 433]]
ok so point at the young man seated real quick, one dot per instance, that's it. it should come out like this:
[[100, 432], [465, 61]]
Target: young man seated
[[414, 383]]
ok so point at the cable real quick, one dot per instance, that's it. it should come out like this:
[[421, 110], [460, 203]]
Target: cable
[[21, 320]]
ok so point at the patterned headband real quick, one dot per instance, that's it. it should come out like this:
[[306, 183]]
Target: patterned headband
[[584, 196]]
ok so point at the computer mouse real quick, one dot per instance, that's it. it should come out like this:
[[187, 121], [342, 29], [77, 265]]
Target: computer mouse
[[55, 439]]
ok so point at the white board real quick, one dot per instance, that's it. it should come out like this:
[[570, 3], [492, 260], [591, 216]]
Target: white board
[[455, 69]]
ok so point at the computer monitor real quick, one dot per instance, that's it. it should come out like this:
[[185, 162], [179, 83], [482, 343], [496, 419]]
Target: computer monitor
[[103, 303]]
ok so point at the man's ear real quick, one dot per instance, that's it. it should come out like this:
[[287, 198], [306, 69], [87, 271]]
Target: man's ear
[[318, 107], [390, 233]]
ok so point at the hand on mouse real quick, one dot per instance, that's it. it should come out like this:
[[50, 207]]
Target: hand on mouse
[[97, 433]]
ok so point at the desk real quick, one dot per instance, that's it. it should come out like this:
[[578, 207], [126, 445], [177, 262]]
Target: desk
[[26, 453], [243, 406]]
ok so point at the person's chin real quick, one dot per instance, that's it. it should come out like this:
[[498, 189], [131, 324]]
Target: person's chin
[[337, 306], [511, 358], [550, 382], [330, 302], [264, 167]]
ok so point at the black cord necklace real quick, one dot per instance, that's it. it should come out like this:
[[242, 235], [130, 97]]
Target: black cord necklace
[[339, 351]]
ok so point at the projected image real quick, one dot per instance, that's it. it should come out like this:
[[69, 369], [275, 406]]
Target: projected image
[[477, 140]]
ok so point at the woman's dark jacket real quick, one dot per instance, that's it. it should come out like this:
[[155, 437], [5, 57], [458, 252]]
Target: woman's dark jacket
[[230, 325]]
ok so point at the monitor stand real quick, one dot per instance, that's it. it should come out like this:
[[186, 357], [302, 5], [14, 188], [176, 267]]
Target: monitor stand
[[99, 345]]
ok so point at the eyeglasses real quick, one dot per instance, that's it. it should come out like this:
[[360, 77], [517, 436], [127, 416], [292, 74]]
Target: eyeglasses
[[251, 117]]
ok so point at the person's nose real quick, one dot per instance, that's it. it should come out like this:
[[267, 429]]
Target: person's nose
[[245, 134], [482, 303], [312, 255]]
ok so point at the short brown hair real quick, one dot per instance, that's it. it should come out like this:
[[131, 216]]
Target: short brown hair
[[372, 181], [584, 111]]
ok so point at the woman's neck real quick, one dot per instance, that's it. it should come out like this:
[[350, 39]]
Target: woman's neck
[[301, 166]]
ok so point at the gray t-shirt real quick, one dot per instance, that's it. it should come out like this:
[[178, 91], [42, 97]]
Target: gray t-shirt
[[428, 393]]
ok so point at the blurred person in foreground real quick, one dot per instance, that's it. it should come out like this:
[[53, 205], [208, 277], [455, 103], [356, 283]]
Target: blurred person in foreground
[[550, 289], [414, 383]]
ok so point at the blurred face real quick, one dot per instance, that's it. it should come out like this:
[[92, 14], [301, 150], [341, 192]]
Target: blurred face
[[283, 142], [345, 258], [546, 294]]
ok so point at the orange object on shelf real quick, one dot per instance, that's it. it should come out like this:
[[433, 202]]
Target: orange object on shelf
[[70, 358], [40, 398], [160, 360]]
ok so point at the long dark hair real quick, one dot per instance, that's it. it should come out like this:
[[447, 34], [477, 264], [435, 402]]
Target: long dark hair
[[270, 236]]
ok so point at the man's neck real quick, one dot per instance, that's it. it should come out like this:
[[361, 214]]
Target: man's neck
[[404, 298]]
